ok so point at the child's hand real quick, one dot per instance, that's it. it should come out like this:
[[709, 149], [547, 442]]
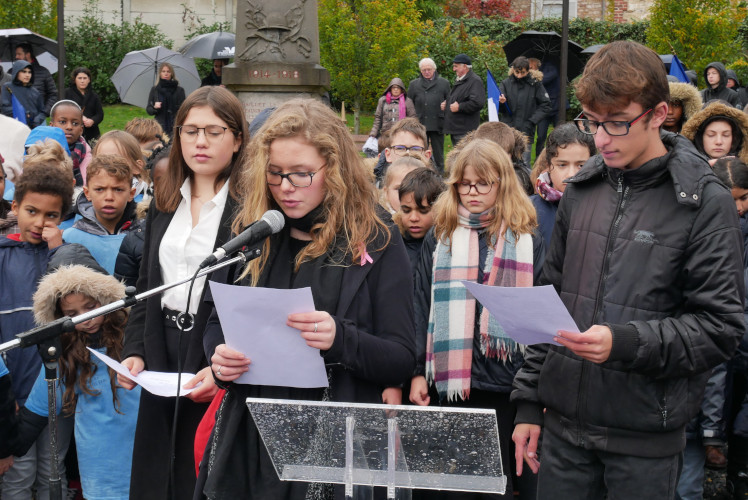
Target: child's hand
[[5, 464], [419, 391], [207, 389], [392, 396], [136, 365], [52, 234]]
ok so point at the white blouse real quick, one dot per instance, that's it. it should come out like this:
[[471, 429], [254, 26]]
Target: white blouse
[[184, 247]]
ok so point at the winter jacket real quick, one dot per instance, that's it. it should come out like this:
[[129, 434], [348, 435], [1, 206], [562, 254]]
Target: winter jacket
[[427, 96], [89, 232], [551, 81], [92, 108], [470, 93], [127, 266], [487, 374], [4, 77], [211, 79], [528, 101], [546, 212], [689, 98], [21, 265], [388, 113], [45, 84], [27, 95], [693, 129], [170, 103], [721, 93], [654, 254]]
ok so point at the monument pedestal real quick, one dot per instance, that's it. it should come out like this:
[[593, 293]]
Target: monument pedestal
[[263, 85], [277, 54]]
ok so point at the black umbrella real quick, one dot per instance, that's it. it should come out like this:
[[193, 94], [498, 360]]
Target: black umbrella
[[546, 46], [592, 49], [215, 45], [10, 38]]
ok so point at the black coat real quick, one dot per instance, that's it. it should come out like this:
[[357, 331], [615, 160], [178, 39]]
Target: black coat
[[127, 266], [721, 93], [165, 115], [374, 348], [45, 84], [654, 254], [427, 96], [145, 337], [528, 101], [92, 108], [471, 94]]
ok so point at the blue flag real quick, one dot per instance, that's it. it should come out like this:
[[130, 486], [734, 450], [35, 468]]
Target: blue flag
[[493, 98], [19, 112], [678, 71]]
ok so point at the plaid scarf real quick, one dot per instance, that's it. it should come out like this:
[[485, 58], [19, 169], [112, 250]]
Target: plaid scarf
[[78, 152], [452, 319]]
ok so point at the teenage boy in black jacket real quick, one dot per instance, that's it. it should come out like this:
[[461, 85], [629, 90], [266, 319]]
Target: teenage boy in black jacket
[[646, 255]]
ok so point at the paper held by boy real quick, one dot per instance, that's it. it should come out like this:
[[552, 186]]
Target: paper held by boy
[[529, 315], [253, 320], [157, 383]]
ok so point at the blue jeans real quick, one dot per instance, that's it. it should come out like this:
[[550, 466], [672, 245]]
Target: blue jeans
[[691, 481]]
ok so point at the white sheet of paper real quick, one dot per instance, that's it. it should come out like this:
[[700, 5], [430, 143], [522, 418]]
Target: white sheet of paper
[[529, 315], [253, 320], [157, 383]]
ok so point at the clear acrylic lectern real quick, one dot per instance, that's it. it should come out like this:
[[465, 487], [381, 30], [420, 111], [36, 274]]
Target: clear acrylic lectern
[[381, 445]]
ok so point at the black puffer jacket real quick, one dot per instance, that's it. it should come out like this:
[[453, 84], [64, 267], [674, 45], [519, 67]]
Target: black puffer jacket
[[470, 93], [655, 254], [528, 101], [721, 92]]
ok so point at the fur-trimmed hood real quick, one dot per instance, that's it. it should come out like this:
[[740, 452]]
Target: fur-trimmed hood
[[535, 73], [688, 96], [69, 279], [693, 126]]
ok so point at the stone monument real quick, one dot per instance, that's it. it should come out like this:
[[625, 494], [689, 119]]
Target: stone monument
[[277, 54]]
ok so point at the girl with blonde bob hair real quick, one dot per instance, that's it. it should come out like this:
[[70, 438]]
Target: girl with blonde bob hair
[[484, 231], [339, 242]]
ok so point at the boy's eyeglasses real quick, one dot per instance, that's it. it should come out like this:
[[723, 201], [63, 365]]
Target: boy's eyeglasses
[[613, 128], [213, 133], [480, 187], [297, 179], [402, 150]]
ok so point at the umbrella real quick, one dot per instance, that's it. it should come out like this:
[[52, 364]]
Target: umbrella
[[216, 45], [592, 49], [545, 45], [45, 59], [137, 73], [9, 38]]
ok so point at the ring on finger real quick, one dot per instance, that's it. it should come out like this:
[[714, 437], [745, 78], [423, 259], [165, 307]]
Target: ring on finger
[[315, 327], [218, 372]]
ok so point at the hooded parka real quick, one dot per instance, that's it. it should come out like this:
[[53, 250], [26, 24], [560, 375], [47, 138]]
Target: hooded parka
[[693, 130], [27, 95], [721, 92], [528, 101], [388, 110]]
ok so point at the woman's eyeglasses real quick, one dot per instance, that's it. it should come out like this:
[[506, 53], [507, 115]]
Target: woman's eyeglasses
[[297, 179], [213, 133]]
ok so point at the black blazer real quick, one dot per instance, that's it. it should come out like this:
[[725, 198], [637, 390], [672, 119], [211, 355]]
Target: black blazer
[[144, 334]]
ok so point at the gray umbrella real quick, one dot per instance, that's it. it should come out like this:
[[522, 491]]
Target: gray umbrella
[[215, 45], [138, 73]]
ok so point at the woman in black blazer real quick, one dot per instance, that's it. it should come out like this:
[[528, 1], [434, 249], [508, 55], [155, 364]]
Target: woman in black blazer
[[81, 92], [190, 216]]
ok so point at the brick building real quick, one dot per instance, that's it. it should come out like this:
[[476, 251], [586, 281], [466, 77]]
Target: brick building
[[616, 10]]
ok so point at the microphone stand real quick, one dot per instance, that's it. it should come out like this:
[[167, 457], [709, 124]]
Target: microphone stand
[[47, 340]]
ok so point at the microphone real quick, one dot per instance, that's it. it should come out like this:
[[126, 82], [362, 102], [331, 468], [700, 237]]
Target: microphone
[[272, 222]]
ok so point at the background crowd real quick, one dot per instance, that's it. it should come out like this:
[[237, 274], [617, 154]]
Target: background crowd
[[384, 243]]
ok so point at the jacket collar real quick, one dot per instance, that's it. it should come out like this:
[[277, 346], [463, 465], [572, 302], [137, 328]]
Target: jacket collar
[[687, 169]]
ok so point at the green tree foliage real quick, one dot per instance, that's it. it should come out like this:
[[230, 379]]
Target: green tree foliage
[[366, 43], [37, 15], [101, 46], [697, 31]]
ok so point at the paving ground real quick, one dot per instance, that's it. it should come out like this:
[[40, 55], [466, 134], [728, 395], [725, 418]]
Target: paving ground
[[714, 486]]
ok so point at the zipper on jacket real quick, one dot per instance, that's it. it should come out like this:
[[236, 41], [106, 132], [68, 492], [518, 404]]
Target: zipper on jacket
[[618, 215]]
